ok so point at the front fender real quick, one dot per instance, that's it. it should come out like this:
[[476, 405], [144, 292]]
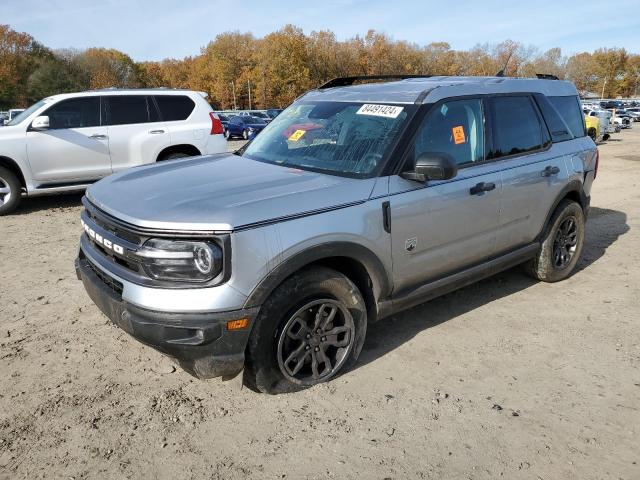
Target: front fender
[[377, 273]]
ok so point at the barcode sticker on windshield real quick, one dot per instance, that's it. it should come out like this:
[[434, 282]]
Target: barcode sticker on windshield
[[388, 111]]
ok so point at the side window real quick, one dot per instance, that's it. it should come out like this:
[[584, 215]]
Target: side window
[[569, 109], [175, 107], [74, 113], [454, 127], [128, 109], [560, 131], [516, 126]]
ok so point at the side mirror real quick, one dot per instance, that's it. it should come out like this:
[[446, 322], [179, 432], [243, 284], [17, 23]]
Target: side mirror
[[40, 123], [432, 166]]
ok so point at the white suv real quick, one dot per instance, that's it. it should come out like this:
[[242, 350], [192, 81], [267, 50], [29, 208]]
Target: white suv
[[68, 141]]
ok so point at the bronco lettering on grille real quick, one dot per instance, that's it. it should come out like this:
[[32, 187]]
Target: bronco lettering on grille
[[99, 239]]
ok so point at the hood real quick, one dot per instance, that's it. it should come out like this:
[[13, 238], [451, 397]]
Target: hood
[[11, 129], [220, 192]]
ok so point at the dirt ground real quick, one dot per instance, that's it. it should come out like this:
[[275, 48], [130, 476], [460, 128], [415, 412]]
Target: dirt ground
[[507, 378]]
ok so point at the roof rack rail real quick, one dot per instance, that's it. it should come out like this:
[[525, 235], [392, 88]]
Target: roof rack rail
[[346, 81], [546, 76]]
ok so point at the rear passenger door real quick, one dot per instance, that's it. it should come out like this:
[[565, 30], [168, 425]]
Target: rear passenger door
[[440, 227], [174, 111], [136, 133], [533, 168]]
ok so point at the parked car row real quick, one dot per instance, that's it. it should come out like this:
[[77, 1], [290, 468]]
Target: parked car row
[[8, 116], [246, 124], [604, 118]]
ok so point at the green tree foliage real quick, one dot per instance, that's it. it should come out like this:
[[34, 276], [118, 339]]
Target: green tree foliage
[[284, 64]]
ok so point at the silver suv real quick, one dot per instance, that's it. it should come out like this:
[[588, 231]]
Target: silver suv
[[358, 201]]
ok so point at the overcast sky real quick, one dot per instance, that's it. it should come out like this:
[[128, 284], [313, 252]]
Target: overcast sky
[[157, 29]]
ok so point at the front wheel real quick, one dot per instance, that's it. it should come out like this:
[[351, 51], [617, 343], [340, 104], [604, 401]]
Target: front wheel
[[561, 245], [10, 191], [309, 330], [227, 134], [245, 134]]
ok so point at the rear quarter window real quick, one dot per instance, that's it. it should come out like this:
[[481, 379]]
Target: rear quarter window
[[570, 110], [174, 107], [559, 129]]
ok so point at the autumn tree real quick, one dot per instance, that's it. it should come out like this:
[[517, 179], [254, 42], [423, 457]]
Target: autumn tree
[[630, 82], [282, 66], [109, 68], [19, 56], [608, 66], [276, 69]]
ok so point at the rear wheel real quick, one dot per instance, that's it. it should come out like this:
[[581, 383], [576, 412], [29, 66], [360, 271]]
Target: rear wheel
[[562, 244], [309, 330], [10, 191], [592, 133]]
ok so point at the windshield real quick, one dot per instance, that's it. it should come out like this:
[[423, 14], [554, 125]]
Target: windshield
[[339, 138], [22, 116]]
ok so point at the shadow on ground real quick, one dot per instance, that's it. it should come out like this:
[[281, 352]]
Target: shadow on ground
[[48, 202], [603, 229]]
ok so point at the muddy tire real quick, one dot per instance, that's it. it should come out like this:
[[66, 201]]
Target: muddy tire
[[561, 245], [310, 330]]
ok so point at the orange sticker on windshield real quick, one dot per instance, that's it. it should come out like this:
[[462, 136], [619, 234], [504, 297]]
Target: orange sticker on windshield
[[458, 135], [297, 135]]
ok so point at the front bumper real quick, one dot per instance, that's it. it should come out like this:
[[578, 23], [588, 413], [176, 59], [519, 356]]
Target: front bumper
[[200, 342]]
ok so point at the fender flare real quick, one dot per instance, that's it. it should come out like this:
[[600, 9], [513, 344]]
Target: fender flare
[[12, 165], [380, 279], [571, 187]]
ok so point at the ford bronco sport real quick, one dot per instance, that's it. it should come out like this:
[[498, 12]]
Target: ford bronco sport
[[358, 201]]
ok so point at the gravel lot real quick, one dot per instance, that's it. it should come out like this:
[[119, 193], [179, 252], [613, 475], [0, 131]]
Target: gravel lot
[[507, 378]]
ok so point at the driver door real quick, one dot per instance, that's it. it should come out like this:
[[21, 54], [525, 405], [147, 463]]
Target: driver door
[[440, 227], [75, 147]]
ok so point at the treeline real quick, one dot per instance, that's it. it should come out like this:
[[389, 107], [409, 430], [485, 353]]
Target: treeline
[[282, 65]]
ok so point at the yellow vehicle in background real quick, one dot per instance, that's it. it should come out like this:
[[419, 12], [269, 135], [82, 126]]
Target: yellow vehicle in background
[[593, 128]]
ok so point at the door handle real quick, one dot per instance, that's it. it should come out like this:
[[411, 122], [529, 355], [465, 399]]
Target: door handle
[[97, 136], [549, 170], [482, 187], [156, 132]]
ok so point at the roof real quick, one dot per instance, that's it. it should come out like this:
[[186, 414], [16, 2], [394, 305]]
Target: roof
[[432, 89], [126, 91]]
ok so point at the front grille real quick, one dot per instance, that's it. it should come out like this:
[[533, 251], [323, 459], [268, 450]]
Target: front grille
[[112, 283], [120, 232], [110, 224]]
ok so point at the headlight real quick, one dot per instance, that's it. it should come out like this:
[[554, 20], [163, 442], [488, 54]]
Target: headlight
[[251, 129], [181, 261]]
